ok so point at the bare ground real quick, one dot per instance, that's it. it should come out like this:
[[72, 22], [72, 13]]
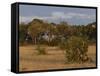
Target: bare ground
[[29, 60]]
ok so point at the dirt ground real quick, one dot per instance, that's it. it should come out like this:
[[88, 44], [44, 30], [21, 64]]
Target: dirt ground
[[29, 60]]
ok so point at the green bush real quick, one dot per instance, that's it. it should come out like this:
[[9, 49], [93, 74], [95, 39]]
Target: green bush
[[41, 50], [76, 49]]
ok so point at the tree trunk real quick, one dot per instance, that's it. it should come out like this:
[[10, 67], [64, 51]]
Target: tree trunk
[[35, 40]]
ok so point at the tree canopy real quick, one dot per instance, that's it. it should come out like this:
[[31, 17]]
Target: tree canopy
[[37, 29]]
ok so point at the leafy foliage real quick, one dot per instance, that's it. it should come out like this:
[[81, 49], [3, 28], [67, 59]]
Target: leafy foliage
[[76, 49], [61, 31], [22, 33]]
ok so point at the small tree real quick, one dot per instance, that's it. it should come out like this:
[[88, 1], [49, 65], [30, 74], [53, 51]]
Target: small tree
[[76, 49]]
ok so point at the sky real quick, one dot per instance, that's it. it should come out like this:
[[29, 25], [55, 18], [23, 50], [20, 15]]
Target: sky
[[78, 16]]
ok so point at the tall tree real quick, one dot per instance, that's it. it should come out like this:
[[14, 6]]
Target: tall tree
[[35, 29], [22, 32]]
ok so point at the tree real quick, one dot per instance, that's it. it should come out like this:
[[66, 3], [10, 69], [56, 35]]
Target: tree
[[35, 29], [91, 31], [22, 33]]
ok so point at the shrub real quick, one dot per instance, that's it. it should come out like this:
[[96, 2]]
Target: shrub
[[41, 50], [76, 49]]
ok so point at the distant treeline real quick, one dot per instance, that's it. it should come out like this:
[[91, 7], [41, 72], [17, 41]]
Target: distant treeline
[[39, 32]]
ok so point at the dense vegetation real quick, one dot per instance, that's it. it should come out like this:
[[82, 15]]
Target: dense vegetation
[[37, 30]]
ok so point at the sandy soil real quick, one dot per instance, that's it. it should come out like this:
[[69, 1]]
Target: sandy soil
[[55, 59]]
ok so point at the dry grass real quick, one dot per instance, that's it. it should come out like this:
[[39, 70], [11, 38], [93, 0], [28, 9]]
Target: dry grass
[[55, 59]]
